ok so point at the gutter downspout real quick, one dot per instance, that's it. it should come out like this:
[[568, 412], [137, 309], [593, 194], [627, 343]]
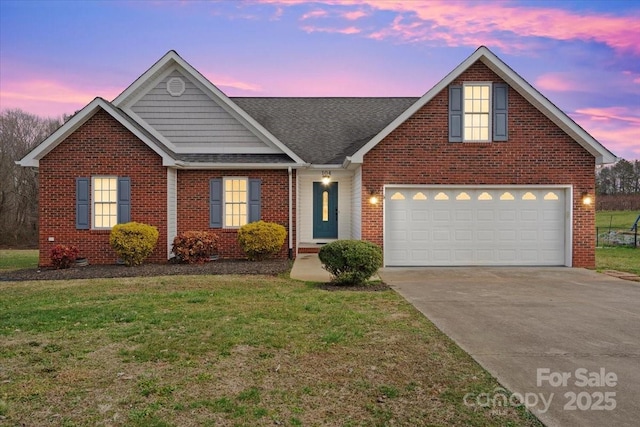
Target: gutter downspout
[[290, 215]]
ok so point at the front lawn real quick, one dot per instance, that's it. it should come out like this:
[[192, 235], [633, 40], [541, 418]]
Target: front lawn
[[621, 258], [229, 350], [14, 259]]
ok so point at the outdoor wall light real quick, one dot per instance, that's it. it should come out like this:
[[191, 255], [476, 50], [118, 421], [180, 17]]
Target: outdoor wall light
[[374, 198], [586, 199], [326, 177]]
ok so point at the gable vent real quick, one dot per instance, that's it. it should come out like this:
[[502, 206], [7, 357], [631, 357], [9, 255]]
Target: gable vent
[[175, 86]]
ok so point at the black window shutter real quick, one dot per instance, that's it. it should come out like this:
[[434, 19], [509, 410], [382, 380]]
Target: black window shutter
[[215, 203], [500, 111], [255, 200], [82, 203], [455, 113], [124, 200]]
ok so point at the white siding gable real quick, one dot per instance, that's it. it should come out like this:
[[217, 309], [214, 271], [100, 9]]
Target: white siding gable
[[193, 122]]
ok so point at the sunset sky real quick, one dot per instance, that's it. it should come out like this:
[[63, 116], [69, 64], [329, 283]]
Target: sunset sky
[[56, 56]]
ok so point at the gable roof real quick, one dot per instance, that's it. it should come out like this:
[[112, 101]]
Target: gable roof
[[324, 130], [32, 159], [172, 59], [519, 84]]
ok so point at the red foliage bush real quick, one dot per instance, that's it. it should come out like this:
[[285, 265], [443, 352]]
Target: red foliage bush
[[195, 247], [62, 256]]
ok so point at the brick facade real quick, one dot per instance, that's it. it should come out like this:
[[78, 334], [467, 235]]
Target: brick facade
[[537, 153], [418, 152], [101, 146], [193, 204]]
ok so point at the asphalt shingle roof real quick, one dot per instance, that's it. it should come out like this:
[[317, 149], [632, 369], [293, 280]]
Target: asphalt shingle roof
[[324, 130]]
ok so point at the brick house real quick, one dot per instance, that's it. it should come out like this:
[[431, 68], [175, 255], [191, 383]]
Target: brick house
[[481, 170]]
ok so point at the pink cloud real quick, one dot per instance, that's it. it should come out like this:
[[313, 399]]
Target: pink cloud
[[623, 114], [354, 15], [318, 13], [228, 82], [469, 23], [558, 82], [617, 128], [347, 30], [49, 97]]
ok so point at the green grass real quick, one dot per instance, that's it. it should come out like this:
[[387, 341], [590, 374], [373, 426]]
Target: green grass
[[616, 219], [15, 259], [619, 258], [225, 350]]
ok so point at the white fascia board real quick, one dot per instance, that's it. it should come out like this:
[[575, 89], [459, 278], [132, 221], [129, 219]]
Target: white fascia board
[[556, 115], [239, 166], [32, 159], [232, 108], [144, 78]]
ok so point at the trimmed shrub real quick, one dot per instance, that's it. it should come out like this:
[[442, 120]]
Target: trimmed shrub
[[62, 256], [195, 247], [133, 241], [260, 240], [351, 262]]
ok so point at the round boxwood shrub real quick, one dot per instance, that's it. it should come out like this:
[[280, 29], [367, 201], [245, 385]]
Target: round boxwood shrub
[[260, 240], [133, 241], [351, 262]]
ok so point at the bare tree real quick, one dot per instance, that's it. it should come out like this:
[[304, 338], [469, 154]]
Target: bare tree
[[20, 132]]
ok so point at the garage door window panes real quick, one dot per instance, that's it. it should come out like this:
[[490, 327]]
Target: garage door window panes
[[551, 196], [441, 196], [485, 196]]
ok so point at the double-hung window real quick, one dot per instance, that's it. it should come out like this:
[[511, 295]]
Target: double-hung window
[[478, 112], [477, 108], [102, 202], [105, 201], [235, 202]]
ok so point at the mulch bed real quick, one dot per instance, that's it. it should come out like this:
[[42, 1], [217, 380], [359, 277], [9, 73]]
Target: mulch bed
[[269, 267]]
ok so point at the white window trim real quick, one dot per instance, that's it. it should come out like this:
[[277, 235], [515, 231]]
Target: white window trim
[[92, 197], [490, 134], [224, 200]]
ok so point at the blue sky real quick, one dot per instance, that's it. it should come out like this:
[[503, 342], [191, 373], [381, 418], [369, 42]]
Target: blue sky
[[56, 56]]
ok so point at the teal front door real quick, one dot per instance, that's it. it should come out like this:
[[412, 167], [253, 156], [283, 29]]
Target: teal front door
[[325, 210]]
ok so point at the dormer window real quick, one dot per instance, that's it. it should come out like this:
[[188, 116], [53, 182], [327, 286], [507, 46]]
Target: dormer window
[[478, 112]]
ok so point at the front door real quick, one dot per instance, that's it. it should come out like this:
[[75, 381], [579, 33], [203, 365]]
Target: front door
[[325, 210]]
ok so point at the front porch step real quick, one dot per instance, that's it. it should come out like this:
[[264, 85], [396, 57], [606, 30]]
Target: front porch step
[[314, 250], [310, 248]]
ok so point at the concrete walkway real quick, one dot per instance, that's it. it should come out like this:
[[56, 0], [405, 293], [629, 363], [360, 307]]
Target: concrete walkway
[[307, 267], [567, 340]]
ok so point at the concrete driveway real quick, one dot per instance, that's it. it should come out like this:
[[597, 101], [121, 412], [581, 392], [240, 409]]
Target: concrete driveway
[[566, 340]]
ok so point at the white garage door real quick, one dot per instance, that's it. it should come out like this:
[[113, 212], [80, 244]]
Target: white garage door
[[474, 226]]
